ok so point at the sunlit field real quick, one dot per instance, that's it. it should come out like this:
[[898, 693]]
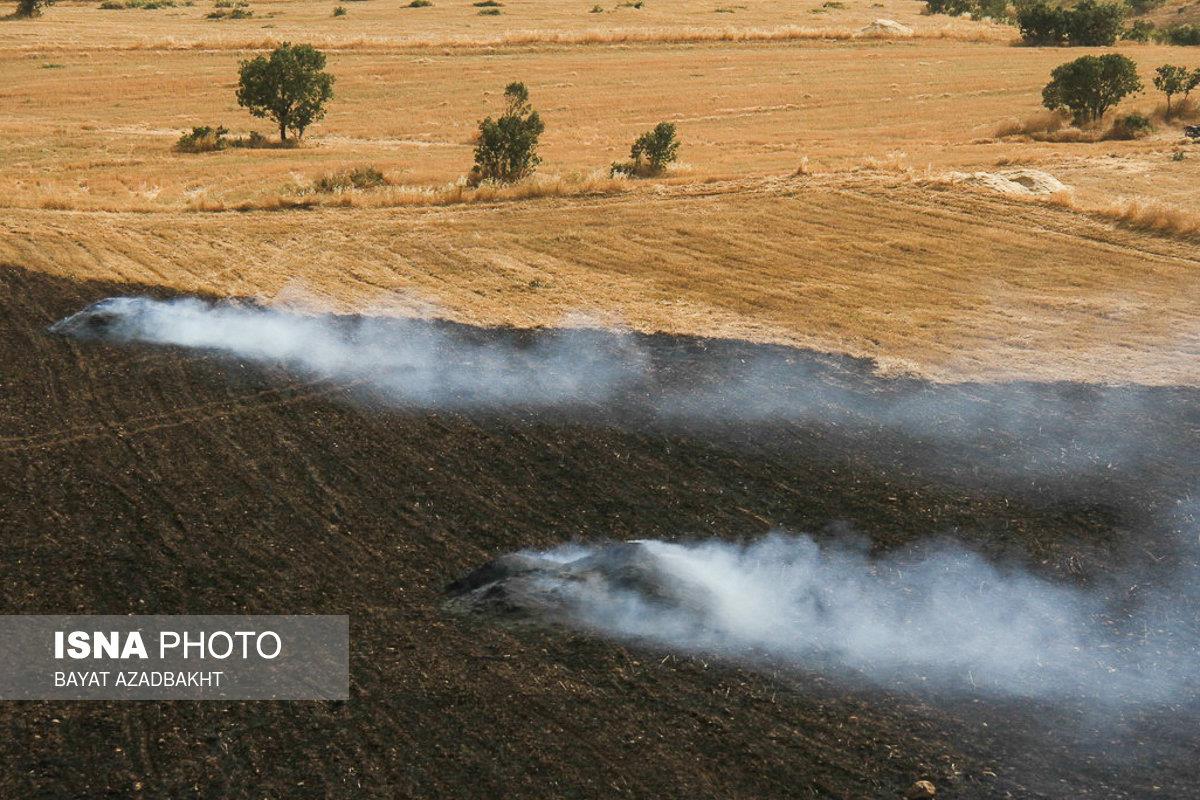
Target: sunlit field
[[810, 204]]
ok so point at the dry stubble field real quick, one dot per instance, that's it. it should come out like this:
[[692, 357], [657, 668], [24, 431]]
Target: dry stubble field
[[868, 252]]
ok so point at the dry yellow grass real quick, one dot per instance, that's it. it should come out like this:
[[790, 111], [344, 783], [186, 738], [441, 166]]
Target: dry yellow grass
[[1139, 214], [950, 283], [97, 133], [388, 24], [850, 254]]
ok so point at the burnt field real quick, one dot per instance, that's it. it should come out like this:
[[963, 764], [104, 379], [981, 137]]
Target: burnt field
[[146, 478]]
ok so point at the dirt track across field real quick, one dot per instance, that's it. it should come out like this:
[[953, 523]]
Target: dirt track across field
[[140, 479]]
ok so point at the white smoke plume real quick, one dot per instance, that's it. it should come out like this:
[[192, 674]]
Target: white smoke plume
[[946, 618], [407, 361]]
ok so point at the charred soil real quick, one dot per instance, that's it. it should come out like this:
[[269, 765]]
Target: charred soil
[[148, 479]]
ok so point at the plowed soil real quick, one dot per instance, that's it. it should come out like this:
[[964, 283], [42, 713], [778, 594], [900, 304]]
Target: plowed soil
[[141, 479]]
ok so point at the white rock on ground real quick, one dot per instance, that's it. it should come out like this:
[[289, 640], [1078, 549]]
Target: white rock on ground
[[1017, 181], [885, 27]]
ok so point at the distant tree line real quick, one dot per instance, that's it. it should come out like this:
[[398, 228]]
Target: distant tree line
[[1088, 23]]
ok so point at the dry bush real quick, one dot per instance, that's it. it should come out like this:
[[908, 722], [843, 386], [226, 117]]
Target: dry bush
[[1040, 123], [1137, 214], [1157, 217], [392, 196], [202, 139], [356, 179], [1181, 111], [895, 162], [1070, 136]]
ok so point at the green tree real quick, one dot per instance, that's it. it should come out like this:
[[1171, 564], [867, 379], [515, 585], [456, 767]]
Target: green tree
[[1091, 85], [289, 86], [1088, 23], [1041, 24], [1172, 80], [1093, 24], [31, 8], [655, 149], [507, 147]]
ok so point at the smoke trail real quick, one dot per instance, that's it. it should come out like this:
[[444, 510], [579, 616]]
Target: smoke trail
[[947, 617], [408, 361], [413, 362]]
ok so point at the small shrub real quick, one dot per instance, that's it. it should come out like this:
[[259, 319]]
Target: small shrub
[[109, 5], [651, 152], [489, 12], [1090, 85], [597, 10], [359, 178], [339, 11], [1141, 30], [1129, 126], [202, 139], [255, 141], [1180, 35], [1178, 155], [420, 4], [488, 4], [51, 65]]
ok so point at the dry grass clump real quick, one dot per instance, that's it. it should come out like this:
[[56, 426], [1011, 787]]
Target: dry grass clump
[[356, 179], [339, 190], [1040, 123], [203, 139], [1053, 127], [1182, 111], [1139, 214]]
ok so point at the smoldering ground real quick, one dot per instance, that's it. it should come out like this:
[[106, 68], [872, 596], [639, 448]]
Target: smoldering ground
[[945, 614], [944, 617]]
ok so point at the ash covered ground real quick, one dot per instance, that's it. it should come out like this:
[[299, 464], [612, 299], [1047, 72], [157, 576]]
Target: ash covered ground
[[161, 475]]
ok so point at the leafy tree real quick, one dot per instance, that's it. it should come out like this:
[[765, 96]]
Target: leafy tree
[[1142, 30], [1042, 24], [1091, 85], [651, 152], [31, 8], [1089, 23], [1095, 24], [952, 7], [507, 147], [289, 86], [1172, 80], [1182, 35], [658, 147]]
